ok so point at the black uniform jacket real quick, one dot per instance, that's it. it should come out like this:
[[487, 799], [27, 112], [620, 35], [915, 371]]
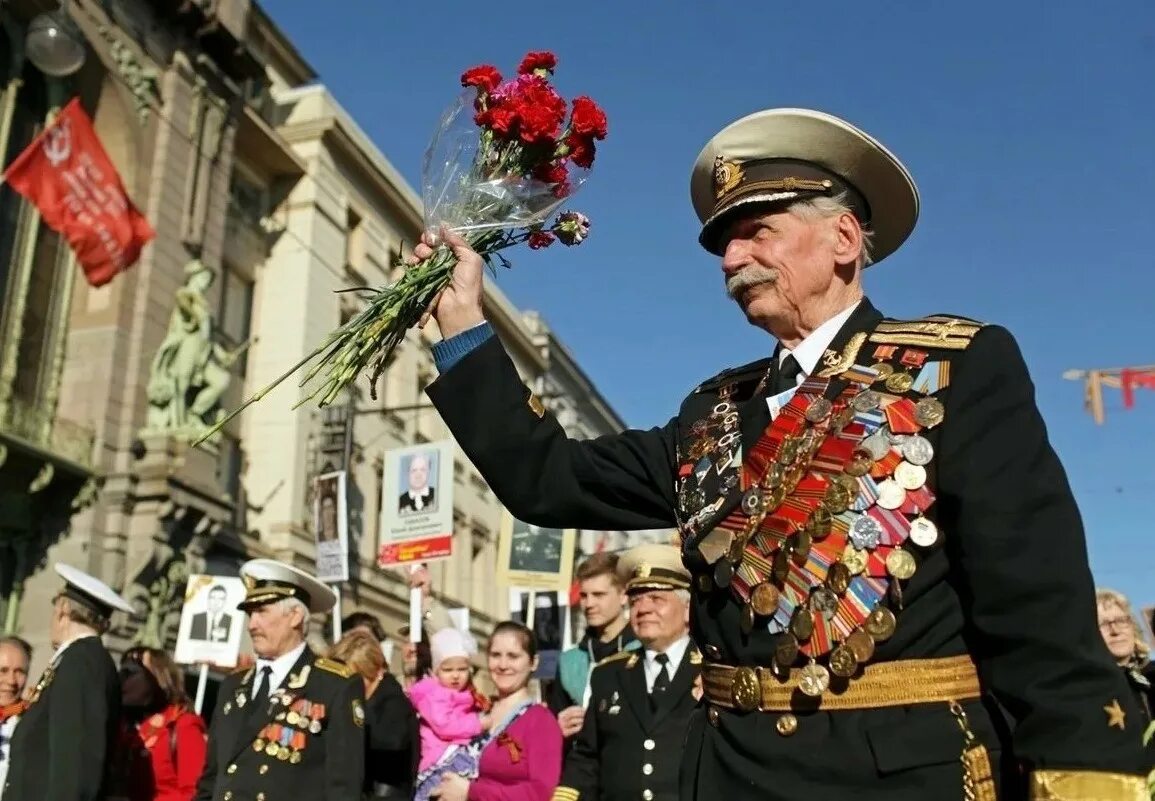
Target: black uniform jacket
[[306, 741], [60, 748], [627, 750], [1006, 579], [392, 742]]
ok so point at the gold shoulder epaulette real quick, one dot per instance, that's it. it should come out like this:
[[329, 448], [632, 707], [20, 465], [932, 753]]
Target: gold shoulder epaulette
[[746, 372], [944, 331], [614, 658], [333, 666]]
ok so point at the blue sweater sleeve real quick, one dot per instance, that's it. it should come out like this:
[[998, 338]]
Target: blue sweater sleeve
[[450, 351]]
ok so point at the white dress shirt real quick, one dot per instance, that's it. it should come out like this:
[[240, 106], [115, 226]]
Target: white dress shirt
[[280, 668], [6, 729], [675, 652], [810, 350]]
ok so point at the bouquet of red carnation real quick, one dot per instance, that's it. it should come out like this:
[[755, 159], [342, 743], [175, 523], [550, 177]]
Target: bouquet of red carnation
[[505, 156]]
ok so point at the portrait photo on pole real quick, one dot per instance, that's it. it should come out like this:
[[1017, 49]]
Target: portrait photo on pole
[[211, 626], [331, 527], [417, 504], [548, 625], [534, 557]]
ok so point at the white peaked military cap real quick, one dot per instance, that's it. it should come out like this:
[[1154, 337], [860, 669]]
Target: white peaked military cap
[[90, 591], [267, 580], [782, 154], [653, 566]]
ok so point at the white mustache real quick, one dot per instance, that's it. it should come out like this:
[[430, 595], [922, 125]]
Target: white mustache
[[750, 276]]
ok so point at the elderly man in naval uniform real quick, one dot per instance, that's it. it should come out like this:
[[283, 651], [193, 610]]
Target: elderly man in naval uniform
[[891, 587]]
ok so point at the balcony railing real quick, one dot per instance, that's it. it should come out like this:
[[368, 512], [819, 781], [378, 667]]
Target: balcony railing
[[37, 427]]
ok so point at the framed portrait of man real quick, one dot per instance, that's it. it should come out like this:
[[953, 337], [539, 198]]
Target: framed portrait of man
[[210, 628], [417, 504], [330, 527], [534, 557], [418, 483]]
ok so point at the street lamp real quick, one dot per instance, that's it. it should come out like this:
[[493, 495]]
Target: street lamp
[[54, 44]]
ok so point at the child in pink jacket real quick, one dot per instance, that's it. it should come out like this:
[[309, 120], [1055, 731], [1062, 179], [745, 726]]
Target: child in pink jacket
[[451, 714]]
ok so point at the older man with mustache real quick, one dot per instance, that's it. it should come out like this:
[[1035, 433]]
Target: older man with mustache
[[891, 589]]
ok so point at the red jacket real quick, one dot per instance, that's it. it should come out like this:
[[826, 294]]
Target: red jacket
[[163, 756]]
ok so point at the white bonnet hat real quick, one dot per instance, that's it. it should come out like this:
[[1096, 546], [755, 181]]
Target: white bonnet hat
[[451, 642]]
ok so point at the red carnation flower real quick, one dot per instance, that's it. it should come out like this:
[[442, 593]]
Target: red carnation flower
[[537, 60], [588, 118], [483, 76], [581, 150], [540, 239], [502, 120], [551, 173]]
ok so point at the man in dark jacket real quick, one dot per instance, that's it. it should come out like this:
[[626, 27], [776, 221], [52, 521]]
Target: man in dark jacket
[[62, 747]]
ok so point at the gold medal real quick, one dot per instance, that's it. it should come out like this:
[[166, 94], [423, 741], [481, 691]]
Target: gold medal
[[774, 476], [789, 451], [838, 578], [928, 412], [774, 500], [292, 717], [860, 464], [258, 744], [820, 522], [862, 644], [294, 757], [790, 482], [814, 680], [880, 623], [899, 382], [843, 662], [802, 624], [745, 691], [786, 650], [764, 599], [883, 369], [746, 622], [837, 498], [819, 410], [900, 564], [781, 568], [283, 753], [802, 542], [854, 559], [842, 418], [271, 749], [315, 727]]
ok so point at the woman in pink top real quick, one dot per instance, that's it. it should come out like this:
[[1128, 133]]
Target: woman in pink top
[[521, 756]]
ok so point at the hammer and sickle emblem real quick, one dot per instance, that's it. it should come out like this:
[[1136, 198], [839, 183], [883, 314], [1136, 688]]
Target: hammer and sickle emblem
[[58, 143]]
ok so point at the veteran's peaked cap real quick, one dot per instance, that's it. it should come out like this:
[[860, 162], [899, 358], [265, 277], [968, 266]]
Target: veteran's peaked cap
[[780, 154]]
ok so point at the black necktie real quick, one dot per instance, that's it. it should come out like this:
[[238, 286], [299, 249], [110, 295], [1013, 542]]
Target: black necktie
[[661, 681], [261, 691], [787, 375]]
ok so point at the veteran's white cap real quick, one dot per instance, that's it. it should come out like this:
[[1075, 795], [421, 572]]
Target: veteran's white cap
[[90, 591], [653, 566], [782, 154], [267, 580]]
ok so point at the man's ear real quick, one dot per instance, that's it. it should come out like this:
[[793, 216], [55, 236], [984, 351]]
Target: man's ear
[[847, 239]]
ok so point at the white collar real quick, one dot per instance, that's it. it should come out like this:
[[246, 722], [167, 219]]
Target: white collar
[[280, 667], [810, 350], [421, 494], [675, 652]]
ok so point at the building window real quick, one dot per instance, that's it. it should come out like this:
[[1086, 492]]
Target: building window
[[234, 314]]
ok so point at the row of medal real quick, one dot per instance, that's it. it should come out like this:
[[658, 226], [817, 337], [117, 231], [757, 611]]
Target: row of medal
[[287, 740], [834, 490], [717, 448]]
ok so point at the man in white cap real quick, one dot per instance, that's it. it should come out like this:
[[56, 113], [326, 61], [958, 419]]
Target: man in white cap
[[630, 743], [61, 749], [891, 588], [292, 726]]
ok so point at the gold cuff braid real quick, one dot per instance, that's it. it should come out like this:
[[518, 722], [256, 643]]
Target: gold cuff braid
[[1087, 785], [565, 794]]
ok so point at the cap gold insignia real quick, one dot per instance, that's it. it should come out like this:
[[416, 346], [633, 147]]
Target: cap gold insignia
[[643, 571], [727, 175], [1115, 715], [248, 581]]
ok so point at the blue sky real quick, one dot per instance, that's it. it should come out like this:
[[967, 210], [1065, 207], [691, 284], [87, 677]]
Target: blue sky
[[1029, 128]]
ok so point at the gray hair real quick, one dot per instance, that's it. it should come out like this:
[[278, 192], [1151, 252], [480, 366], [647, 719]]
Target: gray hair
[[18, 643], [287, 605], [683, 596], [821, 207]]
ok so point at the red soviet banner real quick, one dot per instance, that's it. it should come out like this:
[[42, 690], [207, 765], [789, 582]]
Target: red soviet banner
[[67, 175]]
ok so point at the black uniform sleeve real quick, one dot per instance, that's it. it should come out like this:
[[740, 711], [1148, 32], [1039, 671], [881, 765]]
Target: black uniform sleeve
[[78, 706], [580, 775], [621, 481], [556, 698], [345, 748], [1014, 528], [208, 779]]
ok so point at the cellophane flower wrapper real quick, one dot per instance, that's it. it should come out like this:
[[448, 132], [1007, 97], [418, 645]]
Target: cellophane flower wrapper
[[506, 155], [460, 193]]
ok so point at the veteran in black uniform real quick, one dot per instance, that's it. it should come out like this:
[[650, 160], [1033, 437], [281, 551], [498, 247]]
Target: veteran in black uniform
[[630, 743], [61, 749], [292, 726], [891, 587]]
